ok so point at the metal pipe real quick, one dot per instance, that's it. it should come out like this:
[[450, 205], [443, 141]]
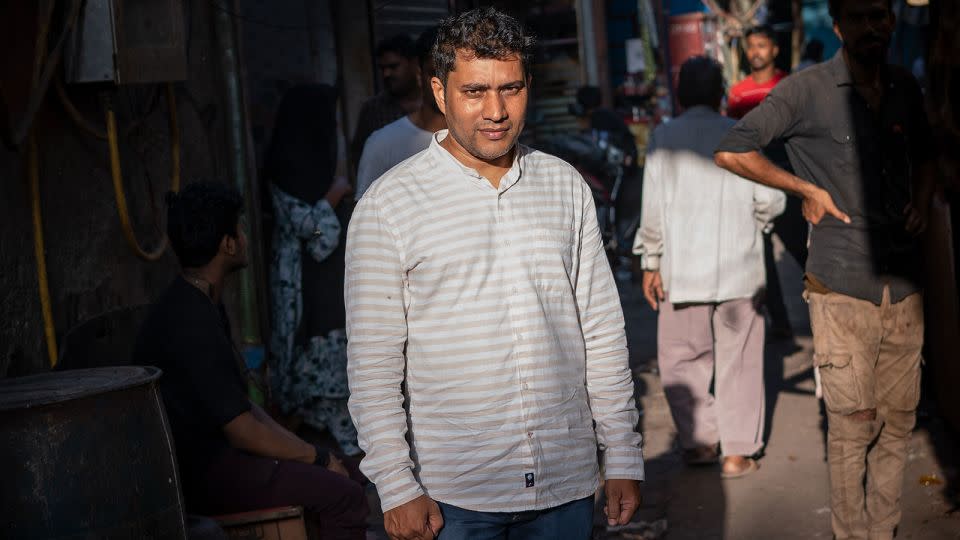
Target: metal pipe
[[238, 165]]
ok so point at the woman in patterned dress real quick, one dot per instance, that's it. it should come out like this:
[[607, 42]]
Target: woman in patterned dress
[[308, 352]]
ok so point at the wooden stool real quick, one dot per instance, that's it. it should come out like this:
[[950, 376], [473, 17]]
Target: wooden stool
[[284, 523]]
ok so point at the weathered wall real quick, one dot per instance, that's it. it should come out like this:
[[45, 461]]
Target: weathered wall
[[91, 269]]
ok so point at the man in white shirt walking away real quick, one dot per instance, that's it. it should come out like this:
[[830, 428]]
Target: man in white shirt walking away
[[701, 247], [410, 134], [477, 282]]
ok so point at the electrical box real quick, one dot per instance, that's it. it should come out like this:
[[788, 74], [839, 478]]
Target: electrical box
[[128, 42]]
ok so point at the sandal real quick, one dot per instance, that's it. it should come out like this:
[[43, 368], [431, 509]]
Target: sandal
[[751, 467]]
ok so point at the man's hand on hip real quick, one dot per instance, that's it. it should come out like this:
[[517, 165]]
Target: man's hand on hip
[[817, 203], [418, 519], [623, 499]]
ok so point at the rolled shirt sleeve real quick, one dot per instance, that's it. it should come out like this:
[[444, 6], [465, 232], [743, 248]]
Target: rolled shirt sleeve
[[777, 117], [608, 376]]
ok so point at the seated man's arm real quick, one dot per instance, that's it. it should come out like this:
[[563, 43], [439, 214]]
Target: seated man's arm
[[219, 399], [249, 433]]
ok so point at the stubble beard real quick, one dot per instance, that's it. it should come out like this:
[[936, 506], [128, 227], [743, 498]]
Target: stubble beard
[[474, 149]]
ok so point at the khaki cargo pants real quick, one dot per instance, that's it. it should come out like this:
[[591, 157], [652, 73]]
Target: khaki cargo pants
[[869, 362]]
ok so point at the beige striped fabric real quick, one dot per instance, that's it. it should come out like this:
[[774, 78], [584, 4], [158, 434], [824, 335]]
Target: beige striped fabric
[[496, 310]]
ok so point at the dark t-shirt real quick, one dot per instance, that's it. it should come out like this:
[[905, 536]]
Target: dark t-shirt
[[863, 157], [203, 389]]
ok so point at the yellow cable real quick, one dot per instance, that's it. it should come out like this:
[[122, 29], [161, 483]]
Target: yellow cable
[[75, 114], [117, 176], [39, 251]]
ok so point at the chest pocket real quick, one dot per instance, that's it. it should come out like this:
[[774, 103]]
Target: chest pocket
[[846, 142], [553, 255]]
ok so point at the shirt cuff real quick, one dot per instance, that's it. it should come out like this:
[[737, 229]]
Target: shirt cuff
[[397, 489], [650, 262], [623, 464]]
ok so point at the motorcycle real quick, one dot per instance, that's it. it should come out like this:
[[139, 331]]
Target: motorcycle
[[603, 166]]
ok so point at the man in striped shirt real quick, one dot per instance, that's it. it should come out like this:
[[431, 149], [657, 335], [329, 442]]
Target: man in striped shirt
[[476, 280]]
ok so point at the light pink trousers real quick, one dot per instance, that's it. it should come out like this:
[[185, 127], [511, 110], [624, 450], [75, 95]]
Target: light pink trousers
[[720, 342]]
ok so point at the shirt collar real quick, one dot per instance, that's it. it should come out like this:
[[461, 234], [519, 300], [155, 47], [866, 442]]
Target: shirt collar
[[839, 70], [442, 159], [841, 73], [700, 110]]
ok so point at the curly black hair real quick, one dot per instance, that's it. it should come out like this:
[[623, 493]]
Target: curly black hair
[[198, 217], [761, 30], [481, 33]]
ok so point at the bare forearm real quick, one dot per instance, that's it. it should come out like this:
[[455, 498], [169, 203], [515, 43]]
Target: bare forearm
[[246, 432], [265, 418], [753, 166]]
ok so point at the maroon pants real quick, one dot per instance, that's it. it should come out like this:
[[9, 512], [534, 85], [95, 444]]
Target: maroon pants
[[240, 482]]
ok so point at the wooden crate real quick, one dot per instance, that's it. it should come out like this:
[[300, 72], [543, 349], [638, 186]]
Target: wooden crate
[[284, 523]]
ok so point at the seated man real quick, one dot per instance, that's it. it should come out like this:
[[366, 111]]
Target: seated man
[[232, 456]]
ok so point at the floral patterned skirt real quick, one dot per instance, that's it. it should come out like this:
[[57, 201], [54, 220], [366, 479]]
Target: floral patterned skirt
[[316, 387]]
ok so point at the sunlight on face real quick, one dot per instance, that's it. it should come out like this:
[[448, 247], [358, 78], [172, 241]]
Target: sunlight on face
[[485, 102]]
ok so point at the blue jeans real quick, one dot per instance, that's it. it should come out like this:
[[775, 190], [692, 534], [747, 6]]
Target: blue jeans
[[570, 521]]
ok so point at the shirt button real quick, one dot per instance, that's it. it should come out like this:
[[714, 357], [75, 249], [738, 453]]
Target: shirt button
[[525, 386], [515, 291], [529, 434]]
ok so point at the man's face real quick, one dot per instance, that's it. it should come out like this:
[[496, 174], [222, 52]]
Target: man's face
[[761, 51], [485, 103], [399, 73], [865, 27]]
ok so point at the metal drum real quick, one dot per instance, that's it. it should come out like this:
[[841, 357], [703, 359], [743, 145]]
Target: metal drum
[[87, 454]]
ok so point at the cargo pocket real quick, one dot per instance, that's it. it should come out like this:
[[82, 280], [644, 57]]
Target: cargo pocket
[[841, 386]]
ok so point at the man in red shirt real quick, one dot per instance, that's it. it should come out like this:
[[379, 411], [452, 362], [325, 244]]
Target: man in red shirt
[[762, 50]]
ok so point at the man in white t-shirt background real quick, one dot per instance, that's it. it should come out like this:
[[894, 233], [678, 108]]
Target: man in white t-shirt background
[[407, 136]]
